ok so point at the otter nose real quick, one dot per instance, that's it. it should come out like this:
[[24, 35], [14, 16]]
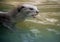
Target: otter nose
[[37, 11]]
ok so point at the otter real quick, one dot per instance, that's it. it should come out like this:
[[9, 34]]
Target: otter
[[19, 13]]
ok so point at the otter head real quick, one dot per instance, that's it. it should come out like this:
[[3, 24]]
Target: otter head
[[28, 10]]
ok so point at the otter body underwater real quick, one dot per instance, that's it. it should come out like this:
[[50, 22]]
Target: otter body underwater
[[19, 13]]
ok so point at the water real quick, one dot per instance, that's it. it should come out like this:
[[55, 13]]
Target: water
[[44, 28]]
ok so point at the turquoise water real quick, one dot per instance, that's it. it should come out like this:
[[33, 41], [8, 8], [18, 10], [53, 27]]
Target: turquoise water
[[44, 28]]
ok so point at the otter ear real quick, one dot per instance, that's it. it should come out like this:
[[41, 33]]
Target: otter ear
[[20, 8]]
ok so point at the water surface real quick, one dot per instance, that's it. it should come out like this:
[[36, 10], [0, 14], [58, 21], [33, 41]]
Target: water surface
[[44, 28]]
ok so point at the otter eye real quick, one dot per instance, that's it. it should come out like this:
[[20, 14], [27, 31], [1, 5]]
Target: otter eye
[[31, 8], [22, 7]]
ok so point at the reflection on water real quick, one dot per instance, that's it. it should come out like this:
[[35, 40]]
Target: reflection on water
[[53, 30], [44, 28]]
